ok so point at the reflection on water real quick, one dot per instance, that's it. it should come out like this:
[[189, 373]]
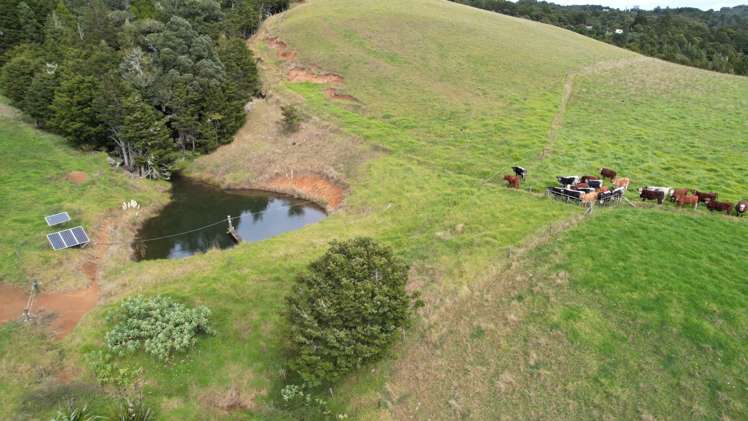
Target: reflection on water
[[261, 215]]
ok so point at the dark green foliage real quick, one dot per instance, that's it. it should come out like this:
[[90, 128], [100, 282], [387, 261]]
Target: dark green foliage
[[18, 73], [145, 144], [239, 64], [291, 118], [73, 113], [714, 40], [243, 18], [21, 22], [107, 75], [347, 309], [40, 94]]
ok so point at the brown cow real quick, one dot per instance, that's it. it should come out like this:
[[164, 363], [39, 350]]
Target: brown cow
[[679, 192], [582, 185], [512, 181], [589, 197], [741, 207], [608, 173], [706, 197], [685, 199], [622, 182], [602, 189], [714, 205]]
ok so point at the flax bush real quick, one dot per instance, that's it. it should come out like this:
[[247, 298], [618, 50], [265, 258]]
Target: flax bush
[[158, 325]]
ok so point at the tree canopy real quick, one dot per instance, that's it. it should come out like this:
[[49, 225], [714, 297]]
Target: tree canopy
[[149, 83], [714, 40]]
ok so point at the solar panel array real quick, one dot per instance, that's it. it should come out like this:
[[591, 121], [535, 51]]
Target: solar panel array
[[68, 238], [57, 218]]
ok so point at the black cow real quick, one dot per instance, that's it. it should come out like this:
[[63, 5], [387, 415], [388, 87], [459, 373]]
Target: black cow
[[595, 184], [568, 180], [658, 195], [521, 172]]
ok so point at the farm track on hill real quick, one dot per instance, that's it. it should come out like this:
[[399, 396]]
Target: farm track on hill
[[568, 91]]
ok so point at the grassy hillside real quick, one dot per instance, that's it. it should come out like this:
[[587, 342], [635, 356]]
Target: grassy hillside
[[632, 314], [474, 91], [449, 96]]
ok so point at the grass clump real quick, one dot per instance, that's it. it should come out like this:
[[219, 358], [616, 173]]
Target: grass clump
[[159, 325], [347, 309]]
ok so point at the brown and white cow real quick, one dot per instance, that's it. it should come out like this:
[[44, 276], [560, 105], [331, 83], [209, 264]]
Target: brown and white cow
[[741, 207]]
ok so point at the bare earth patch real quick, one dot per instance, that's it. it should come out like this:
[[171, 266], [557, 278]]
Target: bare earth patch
[[311, 187], [76, 177], [61, 311], [301, 74]]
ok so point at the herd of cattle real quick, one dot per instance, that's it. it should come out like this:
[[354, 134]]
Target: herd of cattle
[[590, 189]]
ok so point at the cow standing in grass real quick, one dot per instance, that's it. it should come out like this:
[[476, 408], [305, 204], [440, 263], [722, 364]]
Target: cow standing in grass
[[706, 197], [685, 199], [512, 181], [608, 173], [520, 171], [622, 182], [646, 194], [714, 205], [741, 207]]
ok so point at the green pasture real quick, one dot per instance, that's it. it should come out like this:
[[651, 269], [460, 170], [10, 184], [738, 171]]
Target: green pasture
[[453, 97]]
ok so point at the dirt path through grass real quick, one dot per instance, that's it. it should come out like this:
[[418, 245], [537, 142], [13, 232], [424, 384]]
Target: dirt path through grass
[[61, 311], [558, 119]]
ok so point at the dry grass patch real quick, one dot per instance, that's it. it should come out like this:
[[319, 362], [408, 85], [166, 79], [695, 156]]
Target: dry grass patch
[[313, 162]]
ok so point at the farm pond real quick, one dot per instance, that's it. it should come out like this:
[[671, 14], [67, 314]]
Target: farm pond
[[174, 233]]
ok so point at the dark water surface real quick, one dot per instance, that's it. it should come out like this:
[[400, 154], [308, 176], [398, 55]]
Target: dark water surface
[[261, 215]]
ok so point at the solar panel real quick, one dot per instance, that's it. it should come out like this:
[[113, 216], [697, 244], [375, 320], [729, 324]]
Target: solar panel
[[80, 235], [57, 218], [55, 241], [68, 238]]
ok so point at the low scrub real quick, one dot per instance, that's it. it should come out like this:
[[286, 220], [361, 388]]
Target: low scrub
[[347, 309], [158, 325]]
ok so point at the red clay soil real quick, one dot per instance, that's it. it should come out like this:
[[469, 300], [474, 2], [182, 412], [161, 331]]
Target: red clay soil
[[333, 93], [77, 177], [309, 186], [287, 55], [300, 74], [67, 308]]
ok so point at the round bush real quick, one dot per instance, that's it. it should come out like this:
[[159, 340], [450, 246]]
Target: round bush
[[346, 309]]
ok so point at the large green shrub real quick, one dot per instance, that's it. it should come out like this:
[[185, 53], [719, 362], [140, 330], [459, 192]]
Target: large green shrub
[[346, 309], [159, 325]]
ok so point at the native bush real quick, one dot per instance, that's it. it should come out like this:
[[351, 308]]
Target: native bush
[[347, 309], [159, 325], [291, 118]]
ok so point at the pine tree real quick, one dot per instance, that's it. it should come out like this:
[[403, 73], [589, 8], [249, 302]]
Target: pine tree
[[39, 96], [146, 144], [73, 112]]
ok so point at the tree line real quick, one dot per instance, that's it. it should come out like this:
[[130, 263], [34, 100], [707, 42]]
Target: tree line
[[152, 82], [713, 40]]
